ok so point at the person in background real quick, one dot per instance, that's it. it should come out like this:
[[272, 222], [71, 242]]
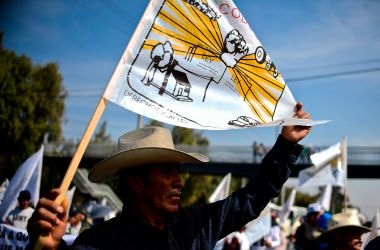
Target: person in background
[[76, 222], [307, 232], [19, 216], [344, 233]]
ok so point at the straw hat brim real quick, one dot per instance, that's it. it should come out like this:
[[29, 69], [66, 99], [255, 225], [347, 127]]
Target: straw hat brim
[[108, 168], [326, 236]]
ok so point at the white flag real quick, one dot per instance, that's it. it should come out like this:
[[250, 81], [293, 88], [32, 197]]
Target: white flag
[[27, 177], [325, 198], [288, 206], [311, 177], [327, 168], [321, 158], [3, 187], [186, 56], [222, 190], [69, 196]]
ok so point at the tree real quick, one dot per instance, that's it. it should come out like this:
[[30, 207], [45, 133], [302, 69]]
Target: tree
[[101, 135], [31, 107], [188, 136]]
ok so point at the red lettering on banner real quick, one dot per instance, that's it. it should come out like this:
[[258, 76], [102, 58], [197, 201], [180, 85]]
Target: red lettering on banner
[[221, 6], [226, 9]]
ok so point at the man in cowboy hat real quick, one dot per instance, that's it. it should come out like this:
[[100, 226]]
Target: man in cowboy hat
[[344, 233], [147, 166]]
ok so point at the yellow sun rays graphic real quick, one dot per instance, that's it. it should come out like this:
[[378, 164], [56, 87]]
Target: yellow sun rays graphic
[[186, 27]]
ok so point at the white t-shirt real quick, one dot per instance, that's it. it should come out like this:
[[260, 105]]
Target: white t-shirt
[[19, 218]]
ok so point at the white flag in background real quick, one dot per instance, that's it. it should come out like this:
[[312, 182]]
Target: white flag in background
[[327, 168], [222, 190], [28, 176], [186, 56], [325, 198], [288, 206], [321, 158]]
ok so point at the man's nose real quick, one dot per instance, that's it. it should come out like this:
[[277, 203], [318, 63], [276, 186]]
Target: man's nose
[[178, 183]]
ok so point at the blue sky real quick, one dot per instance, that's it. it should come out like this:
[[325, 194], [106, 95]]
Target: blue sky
[[304, 38]]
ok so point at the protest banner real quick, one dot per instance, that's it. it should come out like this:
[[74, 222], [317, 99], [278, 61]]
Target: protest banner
[[27, 177], [12, 238], [186, 56]]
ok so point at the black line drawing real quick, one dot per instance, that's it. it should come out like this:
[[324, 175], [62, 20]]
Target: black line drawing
[[204, 8], [244, 122], [261, 57], [164, 62]]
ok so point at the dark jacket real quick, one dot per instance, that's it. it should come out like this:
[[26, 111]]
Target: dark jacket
[[199, 227]]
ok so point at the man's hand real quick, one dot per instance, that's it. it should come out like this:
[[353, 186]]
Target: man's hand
[[48, 220], [296, 133]]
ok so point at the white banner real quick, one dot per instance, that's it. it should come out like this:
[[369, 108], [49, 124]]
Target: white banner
[[222, 190], [198, 64], [27, 177], [13, 237]]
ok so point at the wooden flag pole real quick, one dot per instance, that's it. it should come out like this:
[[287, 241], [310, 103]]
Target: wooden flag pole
[[77, 158], [344, 163]]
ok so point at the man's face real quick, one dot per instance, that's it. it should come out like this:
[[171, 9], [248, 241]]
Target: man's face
[[164, 190], [348, 239], [23, 203]]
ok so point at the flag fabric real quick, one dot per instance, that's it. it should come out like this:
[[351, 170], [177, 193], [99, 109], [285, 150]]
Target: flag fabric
[[313, 176], [69, 195], [28, 176], [3, 187], [325, 198], [288, 206], [327, 169], [321, 158], [192, 55], [222, 190]]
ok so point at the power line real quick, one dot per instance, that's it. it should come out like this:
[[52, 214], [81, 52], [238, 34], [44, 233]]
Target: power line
[[118, 10], [100, 17], [334, 65], [335, 74]]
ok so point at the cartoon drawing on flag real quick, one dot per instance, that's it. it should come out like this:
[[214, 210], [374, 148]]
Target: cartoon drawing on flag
[[192, 55]]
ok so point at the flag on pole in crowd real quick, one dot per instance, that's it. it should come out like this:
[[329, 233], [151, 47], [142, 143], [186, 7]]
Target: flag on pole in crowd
[[288, 206], [375, 228], [69, 196], [327, 168], [3, 187], [325, 198], [186, 56], [222, 190], [27, 177]]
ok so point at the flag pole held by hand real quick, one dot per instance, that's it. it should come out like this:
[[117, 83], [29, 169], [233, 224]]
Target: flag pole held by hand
[[77, 158]]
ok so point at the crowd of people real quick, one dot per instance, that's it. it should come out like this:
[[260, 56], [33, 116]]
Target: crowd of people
[[147, 165]]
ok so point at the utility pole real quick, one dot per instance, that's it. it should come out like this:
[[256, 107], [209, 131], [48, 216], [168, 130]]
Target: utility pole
[[139, 121]]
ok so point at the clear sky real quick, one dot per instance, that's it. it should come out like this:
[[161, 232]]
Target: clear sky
[[304, 38]]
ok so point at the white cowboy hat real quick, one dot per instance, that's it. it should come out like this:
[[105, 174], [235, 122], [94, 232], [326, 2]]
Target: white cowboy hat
[[347, 221], [139, 147]]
